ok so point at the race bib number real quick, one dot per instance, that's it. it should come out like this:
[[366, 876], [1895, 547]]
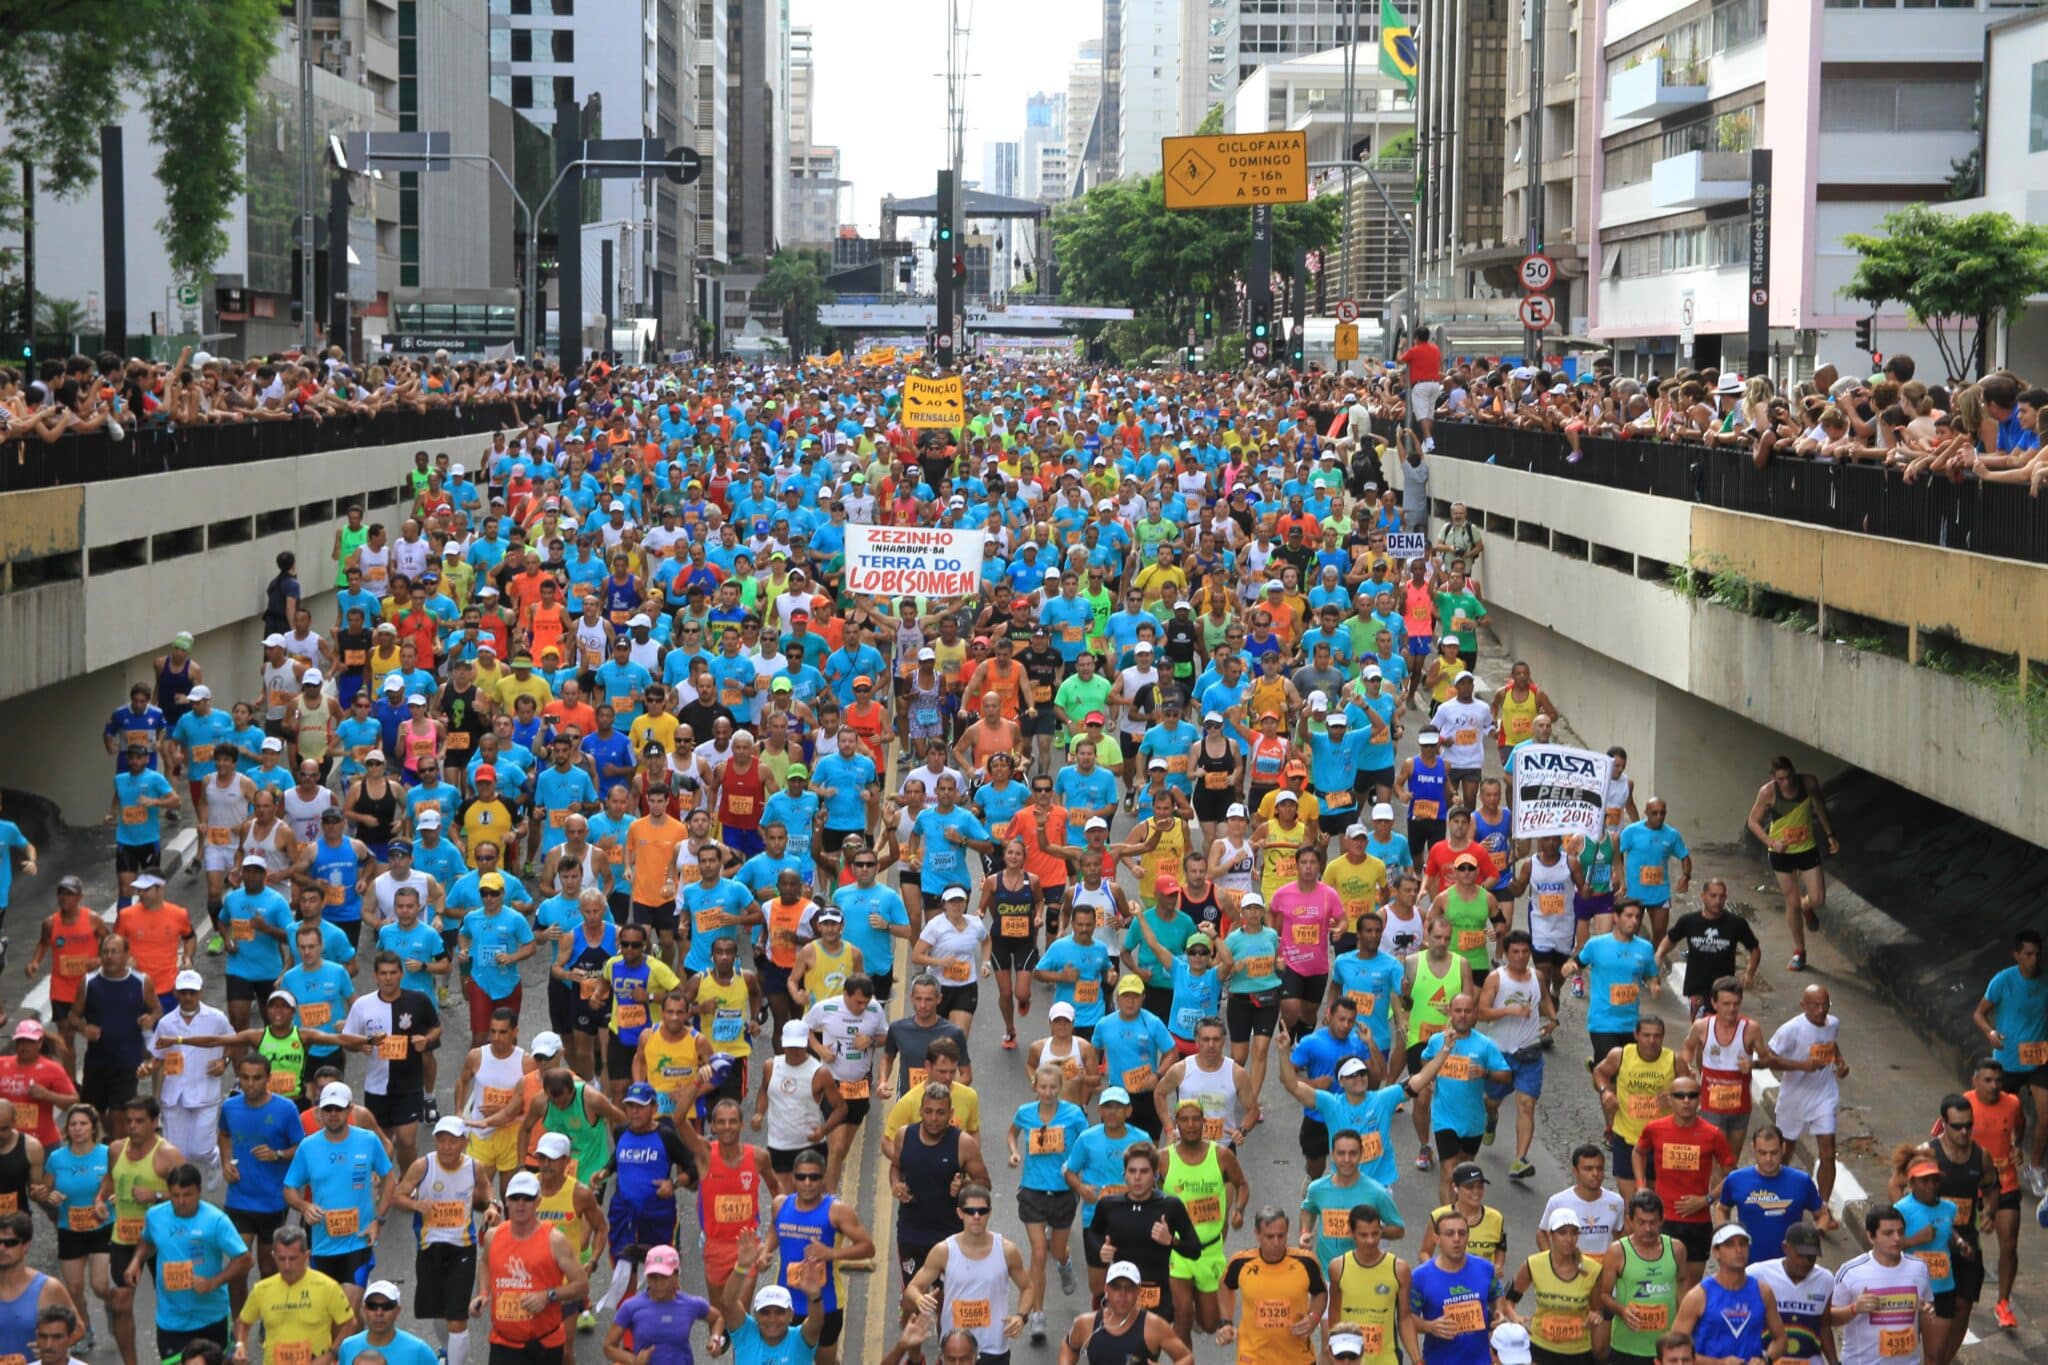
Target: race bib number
[[1821, 1052], [1458, 1067], [1467, 1315], [1623, 993], [509, 1305], [1641, 1106], [219, 836], [1561, 1329], [733, 1208], [1679, 1156], [1215, 781], [1724, 1097], [1336, 1223], [284, 1083], [202, 753], [969, 1314], [727, 1026], [1273, 1315], [1366, 1002], [134, 815], [174, 1065], [853, 1090], [1048, 1141], [243, 931], [1465, 738], [959, 969], [1652, 876], [127, 1231], [1471, 940], [1177, 764], [86, 1218], [78, 964], [315, 1013], [334, 894], [1550, 903], [447, 1214], [1307, 935], [2034, 1054], [392, 1047], [1087, 992], [292, 1353], [1424, 809], [1371, 1147], [1936, 1262], [1257, 966], [630, 1016], [558, 819], [1374, 1335], [1015, 926], [458, 740], [1206, 1209], [343, 1222], [1893, 1342], [1139, 1078], [1148, 1296], [496, 1097]]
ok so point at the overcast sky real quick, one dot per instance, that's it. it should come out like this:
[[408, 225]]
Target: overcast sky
[[881, 88]]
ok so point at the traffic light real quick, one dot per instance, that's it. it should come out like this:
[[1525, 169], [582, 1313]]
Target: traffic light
[[945, 233], [1296, 351], [1259, 329], [959, 268], [1865, 327]]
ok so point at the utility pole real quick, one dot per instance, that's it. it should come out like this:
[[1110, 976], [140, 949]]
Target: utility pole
[[1347, 289], [307, 306], [1532, 341]]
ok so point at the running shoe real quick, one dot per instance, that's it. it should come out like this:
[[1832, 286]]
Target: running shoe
[[1009, 1042], [1422, 1161], [1492, 1126], [1522, 1169], [215, 944], [2036, 1179], [1578, 986], [1036, 1324], [1797, 964], [1070, 1283], [2041, 1212], [587, 1322], [2004, 1315]]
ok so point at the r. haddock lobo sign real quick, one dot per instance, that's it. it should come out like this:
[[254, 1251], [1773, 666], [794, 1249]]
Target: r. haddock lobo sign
[[913, 561], [1559, 791]]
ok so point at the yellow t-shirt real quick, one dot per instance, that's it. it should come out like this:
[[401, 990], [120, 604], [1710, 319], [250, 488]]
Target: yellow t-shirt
[[661, 728], [909, 1109], [510, 689], [1361, 886], [306, 1313]]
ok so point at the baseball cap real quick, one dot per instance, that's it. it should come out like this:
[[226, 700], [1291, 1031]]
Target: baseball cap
[[553, 1146], [335, 1095], [773, 1296], [1122, 1271], [451, 1125], [1337, 719], [201, 693], [1350, 1066], [795, 1034], [1427, 737], [1922, 1166], [293, 1001], [1094, 718], [491, 881], [1559, 1219], [394, 683], [29, 1028], [1237, 811], [1115, 1094], [189, 980], [1130, 984], [1346, 1344], [312, 677], [1469, 1173], [1382, 811], [1095, 822], [1062, 1010], [272, 744], [1803, 1237], [546, 1043], [662, 1260], [486, 772], [525, 1185], [640, 1092], [70, 883], [1729, 1231], [429, 819], [1511, 1344], [1357, 832], [147, 881], [383, 1289], [1284, 795]]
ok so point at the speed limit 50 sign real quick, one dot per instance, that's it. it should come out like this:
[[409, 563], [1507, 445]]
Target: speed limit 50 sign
[[1538, 271]]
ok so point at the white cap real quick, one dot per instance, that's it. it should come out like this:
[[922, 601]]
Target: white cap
[[1053, 572], [1372, 671], [451, 1125], [771, 1296], [1357, 832], [256, 860], [1448, 640], [273, 642], [1237, 811], [416, 699], [1157, 765], [189, 980], [953, 893], [927, 654], [1285, 795], [1124, 1271], [1511, 1343], [147, 881], [374, 756], [553, 1146], [272, 744], [335, 1095], [617, 506], [546, 1043], [1428, 735], [1061, 1010], [1142, 647], [1338, 718], [1318, 702], [525, 1183], [1251, 898], [394, 683], [383, 1289], [201, 693], [640, 619], [429, 819], [1561, 1218], [293, 1001], [1349, 1066], [1347, 1344], [1463, 675], [794, 1034], [1729, 1231], [1213, 718], [1095, 822], [312, 677], [1382, 811]]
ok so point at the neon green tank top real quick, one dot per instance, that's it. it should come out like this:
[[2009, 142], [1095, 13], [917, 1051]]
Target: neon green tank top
[[1467, 916], [1429, 1014], [1200, 1186], [1651, 1288], [130, 1176]]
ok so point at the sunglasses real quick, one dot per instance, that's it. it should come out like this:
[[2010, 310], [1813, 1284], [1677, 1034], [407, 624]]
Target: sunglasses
[[1685, 1094], [865, 862], [980, 1212], [819, 1175]]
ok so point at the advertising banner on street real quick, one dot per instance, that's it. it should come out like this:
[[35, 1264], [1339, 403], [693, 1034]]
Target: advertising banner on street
[[934, 402], [913, 561], [1559, 790]]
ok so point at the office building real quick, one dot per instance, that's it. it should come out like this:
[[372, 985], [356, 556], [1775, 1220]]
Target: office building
[[1107, 154], [1224, 41], [2015, 170], [1146, 106], [1460, 97], [1002, 168], [811, 208], [1084, 119], [1045, 125]]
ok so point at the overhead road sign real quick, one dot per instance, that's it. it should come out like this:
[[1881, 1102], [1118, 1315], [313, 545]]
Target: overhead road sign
[[1232, 170]]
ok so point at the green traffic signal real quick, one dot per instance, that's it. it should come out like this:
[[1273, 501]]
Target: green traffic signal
[[1259, 330]]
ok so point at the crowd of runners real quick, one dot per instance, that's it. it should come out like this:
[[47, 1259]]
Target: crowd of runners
[[595, 717]]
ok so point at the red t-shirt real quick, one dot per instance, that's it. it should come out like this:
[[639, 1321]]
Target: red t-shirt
[[1682, 1162], [37, 1119], [1438, 864], [1425, 363]]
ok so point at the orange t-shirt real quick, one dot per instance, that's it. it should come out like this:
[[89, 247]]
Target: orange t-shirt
[[580, 715], [651, 857], [1996, 1123], [153, 939]]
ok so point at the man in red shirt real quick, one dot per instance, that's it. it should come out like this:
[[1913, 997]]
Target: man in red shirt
[[38, 1086], [1425, 382], [1684, 1158]]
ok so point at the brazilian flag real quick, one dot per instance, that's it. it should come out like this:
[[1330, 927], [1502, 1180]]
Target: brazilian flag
[[1397, 46]]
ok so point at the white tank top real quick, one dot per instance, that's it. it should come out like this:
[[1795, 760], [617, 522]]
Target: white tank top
[[303, 815], [278, 861], [980, 1286], [590, 642], [1725, 1084], [590, 863], [1404, 932], [226, 807], [647, 655], [1103, 902], [497, 1079], [792, 1113], [280, 685], [410, 557], [1552, 926], [1231, 865], [1068, 1062], [441, 1186], [386, 888], [376, 565], [1512, 1035], [1216, 1092]]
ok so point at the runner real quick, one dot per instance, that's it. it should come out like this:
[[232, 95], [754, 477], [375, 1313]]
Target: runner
[[1788, 810]]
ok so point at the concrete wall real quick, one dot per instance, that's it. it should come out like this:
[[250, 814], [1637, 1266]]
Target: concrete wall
[[73, 648], [1704, 696]]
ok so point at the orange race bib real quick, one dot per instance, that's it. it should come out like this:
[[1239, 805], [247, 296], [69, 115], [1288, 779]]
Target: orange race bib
[[1623, 993], [1550, 903], [1375, 1337], [177, 1275], [1212, 1130], [1139, 1078], [1471, 940], [1015, 926], [958, 969], [1273, 1315], [1724, 1097], [1651, 876], [626, 1016], [1048, 1141], [1257, 966], [1893, 1342], [1424, 809], [1148, 1296], [1467, 1315], [1936, 1263], [1206, 1209], [292, 1353], [392, 1047], [1215, 781], [2034, 1054], [1366, 1002], [853, 1090], [1465, 738], [1679, 1156], [969, 1314], [127, 1231], [85, 1218], [509, 1305], [343, 1222], [134, 815], [243, 931], [447, 1214], [1821, 1052], [1336, 1223], [733, 1208], [1561, 1329], [1087, 992], [1458, 1067], [1307, 935], [220, 836], [315, 1013], [78, 964], [1640, 1106], [332, 894], [284, 1083], [1371, 1148], [497, 1097]]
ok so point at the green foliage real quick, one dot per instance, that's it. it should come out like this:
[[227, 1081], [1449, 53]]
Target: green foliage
[[59, 317], [795, 283], [1953, 273], [67, 67]]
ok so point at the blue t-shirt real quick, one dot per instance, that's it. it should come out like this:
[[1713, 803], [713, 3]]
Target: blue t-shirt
[[945, 863], [1318, 1056], [207, 1241], [422, 943], [555, 792], [849, 779], [2019, 1011], [749, 1349], [1941, 1216], [259, 958], [274, 1124], [1768, 1205], [1619, 972], [724, 895], [1085, 993], [403, 1349], [1459, 1105], [1326, 1196], [1650, 850], [1372, 983], [1128, 1045], [489, 935], [327, 985], [877, 946], [1045, 1157], [1087, 791], [1372, 1118], [139, 826], [340, 1174], [1098, 1159], [1432, 1290]]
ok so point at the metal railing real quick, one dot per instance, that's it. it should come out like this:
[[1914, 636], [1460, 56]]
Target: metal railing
[[1984, 518], [96, 457]]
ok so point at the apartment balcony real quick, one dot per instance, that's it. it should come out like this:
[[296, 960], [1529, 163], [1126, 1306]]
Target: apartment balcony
[[1694, 180], [1654, 88]]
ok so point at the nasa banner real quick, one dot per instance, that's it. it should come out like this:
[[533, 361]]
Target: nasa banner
[[1559, 791], [913, 561]]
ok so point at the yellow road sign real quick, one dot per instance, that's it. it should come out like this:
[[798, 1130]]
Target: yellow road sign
[[1347, 341], [937, 402], [1231, 169]]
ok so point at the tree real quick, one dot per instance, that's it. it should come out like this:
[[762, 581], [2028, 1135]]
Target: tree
[[1953, 273], [69, 66], [62, 318], [795, 284]]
